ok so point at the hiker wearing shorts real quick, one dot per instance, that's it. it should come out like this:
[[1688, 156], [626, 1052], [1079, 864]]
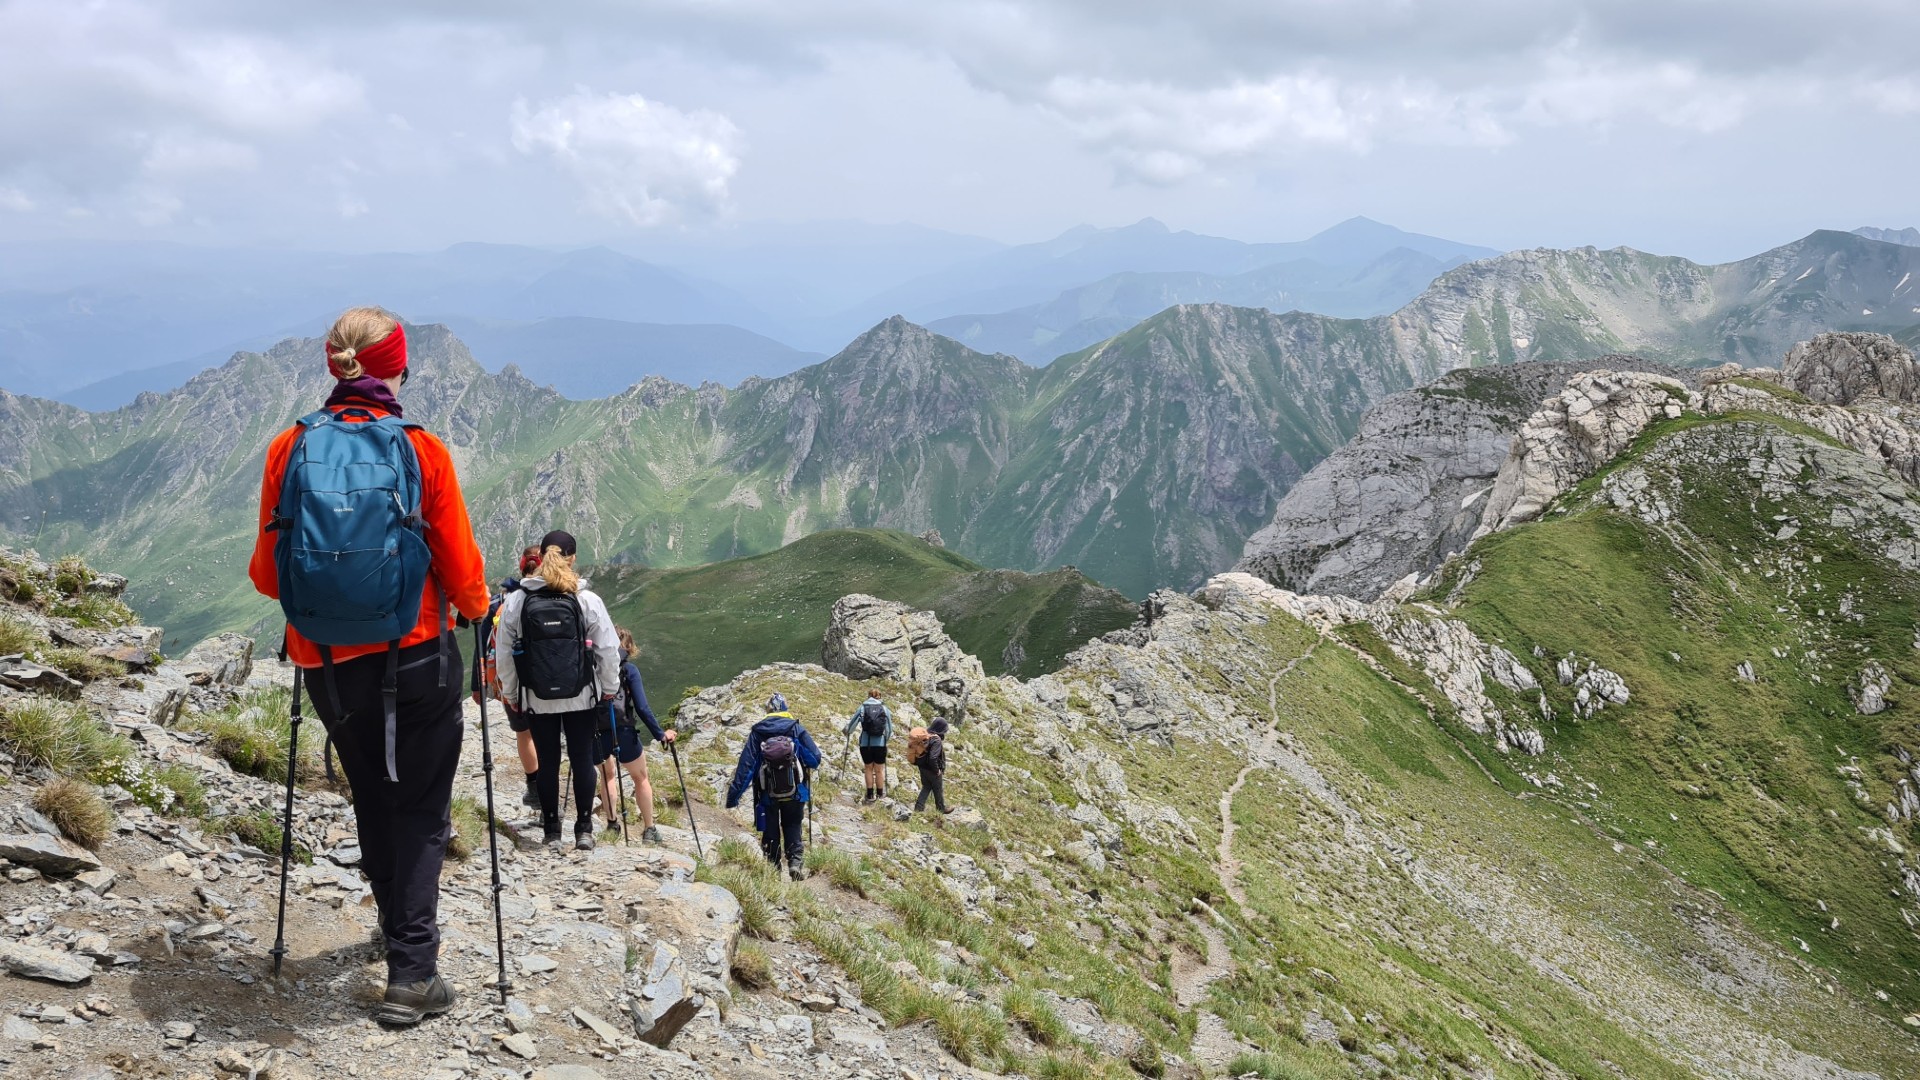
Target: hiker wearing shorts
[[875, 724], [774, 763], [392, 708], [622, 741]]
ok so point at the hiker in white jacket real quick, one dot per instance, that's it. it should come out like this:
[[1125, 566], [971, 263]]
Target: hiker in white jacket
[[558, 656]]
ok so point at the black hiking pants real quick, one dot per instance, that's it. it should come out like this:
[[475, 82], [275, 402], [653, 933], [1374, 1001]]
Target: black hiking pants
[[579, 729], [932, 782], [785, 820], [403, 826]]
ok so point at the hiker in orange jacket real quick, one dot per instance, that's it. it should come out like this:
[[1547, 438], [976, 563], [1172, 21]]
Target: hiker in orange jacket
[[403, 823]]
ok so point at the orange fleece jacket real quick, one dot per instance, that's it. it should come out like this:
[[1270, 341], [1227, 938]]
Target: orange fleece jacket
[[456, 568]]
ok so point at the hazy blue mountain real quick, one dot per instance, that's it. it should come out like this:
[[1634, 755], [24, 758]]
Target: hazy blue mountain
[[1036, 273], [803, 272], [1090, 314], [1909, 236], [594, 358], [168, 303]]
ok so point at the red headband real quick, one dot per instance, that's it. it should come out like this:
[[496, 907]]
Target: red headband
[[384, 359]]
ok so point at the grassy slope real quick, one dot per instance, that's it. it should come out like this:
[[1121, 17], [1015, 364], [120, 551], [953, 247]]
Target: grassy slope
[[1735, 786], [702, 625]]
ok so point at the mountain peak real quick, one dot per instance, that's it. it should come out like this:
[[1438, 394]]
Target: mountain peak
[[1907, 237]]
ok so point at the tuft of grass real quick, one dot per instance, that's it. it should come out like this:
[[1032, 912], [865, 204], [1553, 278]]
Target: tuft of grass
[[93, 609], [80, 665], [1272, 1067], [843, 870], [751, 968], [17, 637], [77, 810], [1030, 1009], [252, 735], [469, 827], [261, 829], [61, 736], [751, 879], [70, 575], [189, 794]]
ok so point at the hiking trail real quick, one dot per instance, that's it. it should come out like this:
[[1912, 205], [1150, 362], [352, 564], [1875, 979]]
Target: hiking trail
[[1190, 983]]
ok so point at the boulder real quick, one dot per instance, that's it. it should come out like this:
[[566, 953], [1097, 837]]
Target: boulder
[[663, 998], [1869, 689], [869, 638], [23, 674], [53, 855], [221, 660], [51, 965], [1841, 368]]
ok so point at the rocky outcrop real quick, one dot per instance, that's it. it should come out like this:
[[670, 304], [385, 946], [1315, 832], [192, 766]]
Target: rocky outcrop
[[1410, 488], [1870, 688], [1842, 368], [871, 638], [1579, 430]]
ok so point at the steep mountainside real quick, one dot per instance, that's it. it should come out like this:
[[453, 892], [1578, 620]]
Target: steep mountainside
[[1562, 305], [1090, 314], [1408, 490], [702, 625]]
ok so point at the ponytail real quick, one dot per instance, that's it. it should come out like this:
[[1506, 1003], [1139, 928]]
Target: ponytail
[[557, 571]]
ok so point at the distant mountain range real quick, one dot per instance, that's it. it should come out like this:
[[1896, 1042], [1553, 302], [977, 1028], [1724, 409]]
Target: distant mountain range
[[1038, 273], [1090, 314], [595, 358], [1145, 461], [97, 324], [1908, 236]]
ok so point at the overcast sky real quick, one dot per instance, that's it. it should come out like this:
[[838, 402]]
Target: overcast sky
[[1707, 129]]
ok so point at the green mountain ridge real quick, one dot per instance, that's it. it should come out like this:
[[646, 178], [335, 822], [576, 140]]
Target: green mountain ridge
[[699, 626], [1147, 460]]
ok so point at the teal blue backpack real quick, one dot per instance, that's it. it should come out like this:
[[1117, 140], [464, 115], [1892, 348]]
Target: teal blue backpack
[[351, 548]]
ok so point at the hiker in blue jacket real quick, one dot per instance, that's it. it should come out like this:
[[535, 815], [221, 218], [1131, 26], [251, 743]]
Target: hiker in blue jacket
[[776, 763]]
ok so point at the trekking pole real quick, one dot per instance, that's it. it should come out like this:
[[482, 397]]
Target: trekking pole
[[493, 841], [686, 801], [286, 828], [809, 811], [625, 840]]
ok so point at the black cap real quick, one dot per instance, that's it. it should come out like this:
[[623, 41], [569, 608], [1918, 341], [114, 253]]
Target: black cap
[[561, 540]]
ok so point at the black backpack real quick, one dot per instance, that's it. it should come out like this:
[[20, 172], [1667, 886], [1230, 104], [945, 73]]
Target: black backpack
[[780, 768], [553, 661], [873, 719]]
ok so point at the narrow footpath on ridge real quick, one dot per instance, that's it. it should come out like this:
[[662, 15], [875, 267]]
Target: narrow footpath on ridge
[[1213, 1043]]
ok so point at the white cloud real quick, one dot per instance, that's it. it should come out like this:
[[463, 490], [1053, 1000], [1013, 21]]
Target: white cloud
[[637, 160], [12, 198]]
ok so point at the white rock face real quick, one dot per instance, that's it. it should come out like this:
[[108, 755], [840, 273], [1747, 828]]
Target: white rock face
[[1408, 490], [873, 638], [1459, 664], [1842, 368], [1869, 689], [1579, 430]]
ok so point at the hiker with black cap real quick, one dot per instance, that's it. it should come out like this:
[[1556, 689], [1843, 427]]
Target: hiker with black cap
[[562, 665], [365, 541], [776, 763], [876, 728]]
